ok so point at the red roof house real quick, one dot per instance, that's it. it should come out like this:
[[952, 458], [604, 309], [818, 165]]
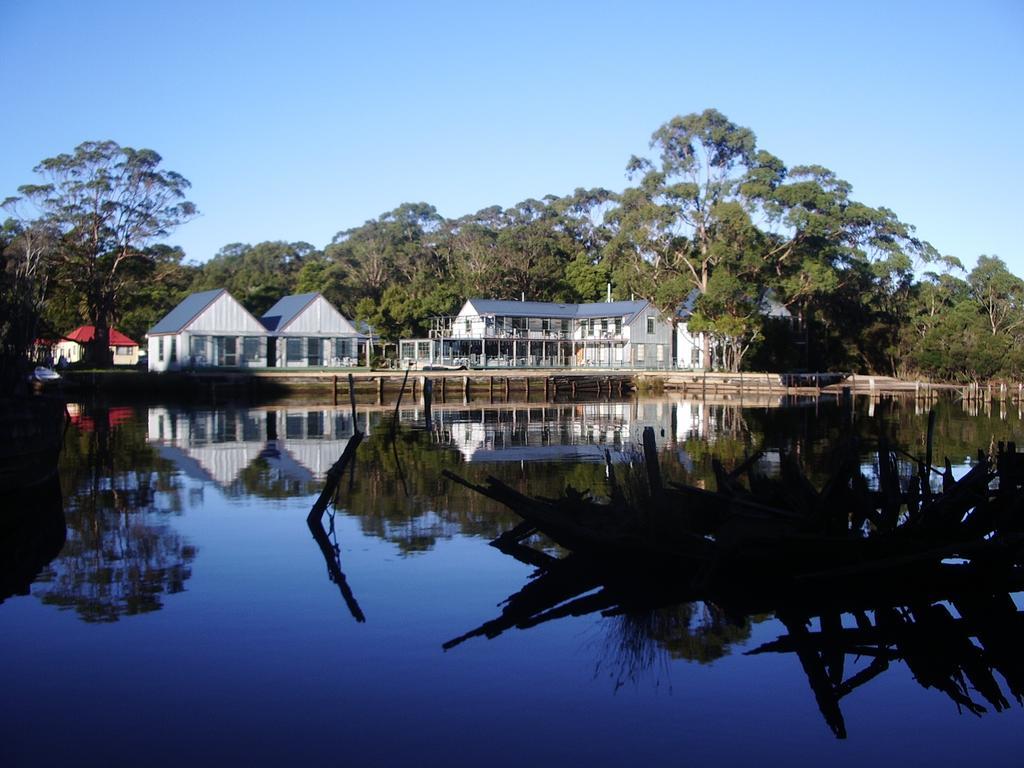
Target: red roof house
[[72, 346]]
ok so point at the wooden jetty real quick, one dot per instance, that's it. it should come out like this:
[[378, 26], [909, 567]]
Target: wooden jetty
[[524, 384]]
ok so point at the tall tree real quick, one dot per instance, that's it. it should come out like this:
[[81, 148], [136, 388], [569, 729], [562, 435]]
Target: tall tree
[[257, 275], [108, 203], [999, 294], [707, 170], [26, 249]]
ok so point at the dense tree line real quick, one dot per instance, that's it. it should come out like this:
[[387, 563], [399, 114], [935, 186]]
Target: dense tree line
[[708, 217]]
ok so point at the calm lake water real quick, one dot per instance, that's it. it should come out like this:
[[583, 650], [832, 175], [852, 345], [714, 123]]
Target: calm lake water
[[192, 618]]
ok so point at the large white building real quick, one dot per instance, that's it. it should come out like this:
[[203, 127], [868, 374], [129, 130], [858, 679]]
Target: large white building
[[210, 328], [305, 330], [494, 333]]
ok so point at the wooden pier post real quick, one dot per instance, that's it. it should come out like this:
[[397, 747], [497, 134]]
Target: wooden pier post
[[380, 390], [651, 462], [335, 390], [428, 396]]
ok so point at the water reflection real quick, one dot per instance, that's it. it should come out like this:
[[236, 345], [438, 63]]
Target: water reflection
[[272, 453], [954, 629], [32, 533], [953, 623], [120, 556]]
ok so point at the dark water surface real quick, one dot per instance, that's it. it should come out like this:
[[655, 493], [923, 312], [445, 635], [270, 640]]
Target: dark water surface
[[191, 618]]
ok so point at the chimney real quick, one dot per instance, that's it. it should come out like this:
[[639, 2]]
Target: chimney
[[522, 296], [609, 293]]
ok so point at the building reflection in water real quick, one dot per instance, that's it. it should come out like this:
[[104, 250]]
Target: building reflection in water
[[570, 432], [274, 451]]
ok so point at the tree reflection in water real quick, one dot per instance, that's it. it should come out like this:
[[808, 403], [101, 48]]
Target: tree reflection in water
[[638, 642], [32, 534], [121, 556]]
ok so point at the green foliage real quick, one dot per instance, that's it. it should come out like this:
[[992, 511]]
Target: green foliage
[[586, 279], [256, 275], [709, 219], [26, 253], [105, 204]]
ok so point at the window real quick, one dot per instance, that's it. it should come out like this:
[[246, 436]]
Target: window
[[198, 347], [293, 349], [251, 349], [604, 327], [618, 326], [293, 424], [315, 352], [641, 352], [160, 348], [315, 424], [174, 349], [650, 325], [341, 349], [583, 327], [469, 325], [122, 350], [228, 349]]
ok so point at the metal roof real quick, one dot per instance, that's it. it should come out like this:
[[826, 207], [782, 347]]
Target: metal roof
[[611, 308], [187, 311], [551, 309], [285, 310], [85, 333]]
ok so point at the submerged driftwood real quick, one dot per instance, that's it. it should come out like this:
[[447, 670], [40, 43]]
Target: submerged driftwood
[[323, 536], [890, 557], [784, 530]]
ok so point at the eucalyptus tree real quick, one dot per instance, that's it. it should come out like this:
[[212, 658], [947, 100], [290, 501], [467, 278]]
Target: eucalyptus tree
[[707, 173], [159, 284], [26, 250], [396, 246], [845, 269], [106, 203], [581, 217], [532, 252], [999, 294], [472, 243], [257, 275]]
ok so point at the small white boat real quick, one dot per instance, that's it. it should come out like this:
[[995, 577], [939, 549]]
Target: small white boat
[[43, 374]]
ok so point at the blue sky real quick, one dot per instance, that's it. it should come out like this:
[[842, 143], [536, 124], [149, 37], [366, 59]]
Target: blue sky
[[295, 121]]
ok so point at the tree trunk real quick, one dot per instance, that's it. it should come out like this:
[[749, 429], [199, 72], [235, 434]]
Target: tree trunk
[[97, 351]]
